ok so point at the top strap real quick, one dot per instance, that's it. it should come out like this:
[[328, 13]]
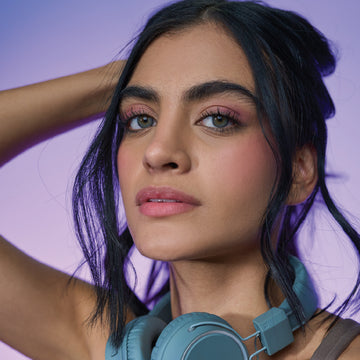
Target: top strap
[[337, 340]]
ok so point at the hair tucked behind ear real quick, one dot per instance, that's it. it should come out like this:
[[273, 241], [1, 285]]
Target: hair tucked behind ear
[[289, 58]]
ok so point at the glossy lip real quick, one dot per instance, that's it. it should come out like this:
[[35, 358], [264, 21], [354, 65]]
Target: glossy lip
[[180, 201]]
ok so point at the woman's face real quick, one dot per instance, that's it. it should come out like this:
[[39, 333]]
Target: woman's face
[[195, 169]]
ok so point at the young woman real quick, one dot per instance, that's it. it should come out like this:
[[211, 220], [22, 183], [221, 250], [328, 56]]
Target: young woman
[[216, 137]]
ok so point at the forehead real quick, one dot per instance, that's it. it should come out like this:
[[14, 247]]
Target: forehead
[[175, 62]]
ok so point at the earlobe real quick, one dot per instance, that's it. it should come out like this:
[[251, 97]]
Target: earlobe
[[305, 175]]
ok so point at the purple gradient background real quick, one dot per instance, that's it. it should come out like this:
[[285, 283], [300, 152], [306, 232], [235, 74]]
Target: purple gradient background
[[45, 39]]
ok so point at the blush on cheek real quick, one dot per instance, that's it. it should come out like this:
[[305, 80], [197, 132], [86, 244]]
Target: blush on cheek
[[123, 161], [124, 165], [247, 169]]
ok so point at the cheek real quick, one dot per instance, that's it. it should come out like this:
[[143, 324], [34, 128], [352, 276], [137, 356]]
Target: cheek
[[245, 173], [123, 163], [126, 161]]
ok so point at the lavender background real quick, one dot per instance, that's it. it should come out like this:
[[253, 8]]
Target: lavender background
[[46, 39]]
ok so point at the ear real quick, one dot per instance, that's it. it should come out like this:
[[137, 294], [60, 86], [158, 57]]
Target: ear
[[305, 175]]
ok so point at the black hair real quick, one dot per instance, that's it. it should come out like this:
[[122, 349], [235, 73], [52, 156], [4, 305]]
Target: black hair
[[289, 59]]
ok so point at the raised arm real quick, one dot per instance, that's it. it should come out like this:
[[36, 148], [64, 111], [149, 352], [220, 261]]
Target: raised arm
[[36, 112], [41, 314]]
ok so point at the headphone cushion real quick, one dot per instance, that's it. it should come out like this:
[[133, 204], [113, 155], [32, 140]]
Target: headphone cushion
[[176, 337], [140, 336]]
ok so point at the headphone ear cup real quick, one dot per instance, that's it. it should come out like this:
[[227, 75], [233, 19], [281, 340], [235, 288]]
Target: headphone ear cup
[[197, 336], [140, 336]]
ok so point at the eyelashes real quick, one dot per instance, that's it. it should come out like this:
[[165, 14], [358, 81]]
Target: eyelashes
[[223, 121], [219, 120]]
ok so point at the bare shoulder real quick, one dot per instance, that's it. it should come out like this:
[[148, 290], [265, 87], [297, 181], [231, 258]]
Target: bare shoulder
[[97, 334], [352, 352]]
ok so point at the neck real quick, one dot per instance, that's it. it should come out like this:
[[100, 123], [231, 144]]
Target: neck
[[233, 290]]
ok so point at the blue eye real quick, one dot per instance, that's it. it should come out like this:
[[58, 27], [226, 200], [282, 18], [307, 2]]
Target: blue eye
[[140, 122]]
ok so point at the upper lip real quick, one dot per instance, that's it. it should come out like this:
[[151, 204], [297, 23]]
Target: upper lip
[[164, 192]]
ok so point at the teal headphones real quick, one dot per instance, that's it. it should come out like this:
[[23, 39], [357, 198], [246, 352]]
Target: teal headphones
[[200, 336]]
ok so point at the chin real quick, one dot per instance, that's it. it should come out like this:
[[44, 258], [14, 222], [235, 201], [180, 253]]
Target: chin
[[160, 253], [164, 248]]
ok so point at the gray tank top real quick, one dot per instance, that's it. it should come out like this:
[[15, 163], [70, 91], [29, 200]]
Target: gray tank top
[[337, 340]]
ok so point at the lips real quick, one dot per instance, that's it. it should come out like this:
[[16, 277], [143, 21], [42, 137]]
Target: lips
[[164, 201]]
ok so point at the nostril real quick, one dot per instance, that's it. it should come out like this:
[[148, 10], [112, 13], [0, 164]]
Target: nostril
[[173, 165]]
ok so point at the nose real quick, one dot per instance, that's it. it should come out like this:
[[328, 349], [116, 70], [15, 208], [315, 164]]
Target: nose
[[168, 150]]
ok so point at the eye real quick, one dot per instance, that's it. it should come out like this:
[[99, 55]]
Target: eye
[[140, 122], [220, 121], [216, 121]]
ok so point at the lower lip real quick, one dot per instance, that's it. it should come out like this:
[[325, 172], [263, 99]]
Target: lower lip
[[162, 209]]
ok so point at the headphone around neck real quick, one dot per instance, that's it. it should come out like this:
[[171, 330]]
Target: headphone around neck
[[200, 336]]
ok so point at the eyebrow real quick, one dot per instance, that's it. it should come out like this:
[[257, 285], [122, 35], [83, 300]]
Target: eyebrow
[[198, 92]]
